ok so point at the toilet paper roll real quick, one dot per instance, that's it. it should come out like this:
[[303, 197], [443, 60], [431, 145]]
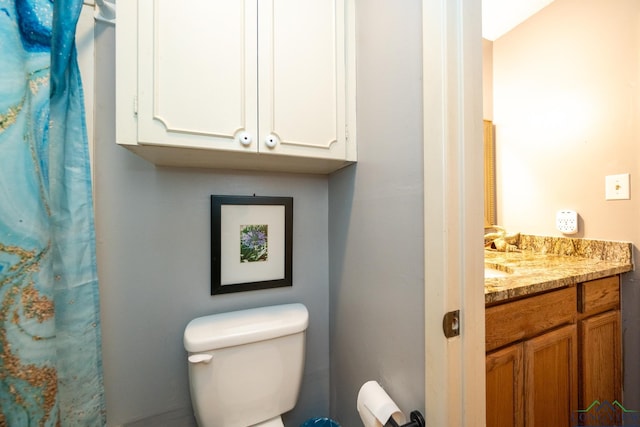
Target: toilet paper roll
[[376, 407]]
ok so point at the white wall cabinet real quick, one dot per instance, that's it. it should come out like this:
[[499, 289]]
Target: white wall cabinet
[[255, 84]]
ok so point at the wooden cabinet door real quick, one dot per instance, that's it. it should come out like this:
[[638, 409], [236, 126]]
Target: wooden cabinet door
[[197, 73], [212, 83], [253, 76], [302, 77], [600, 361], [551, 378], [505, 387]]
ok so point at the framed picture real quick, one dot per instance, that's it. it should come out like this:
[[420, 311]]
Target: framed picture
[[251, 243]]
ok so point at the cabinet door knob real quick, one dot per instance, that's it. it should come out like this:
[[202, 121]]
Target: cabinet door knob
[[245, 138], [271, 140]]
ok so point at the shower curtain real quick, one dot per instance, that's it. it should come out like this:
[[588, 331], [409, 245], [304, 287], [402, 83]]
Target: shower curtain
[[50, 355]]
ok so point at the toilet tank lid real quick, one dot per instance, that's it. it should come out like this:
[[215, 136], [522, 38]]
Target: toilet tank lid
[[245, 326]]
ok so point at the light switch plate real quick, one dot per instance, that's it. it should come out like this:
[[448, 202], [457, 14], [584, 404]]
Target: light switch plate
[[617, 187]]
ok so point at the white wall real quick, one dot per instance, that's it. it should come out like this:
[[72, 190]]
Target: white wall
[[566, 106], [376, 220], [153, 237]]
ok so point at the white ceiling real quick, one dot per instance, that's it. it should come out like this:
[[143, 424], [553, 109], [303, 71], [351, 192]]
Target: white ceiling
[[500, 16]]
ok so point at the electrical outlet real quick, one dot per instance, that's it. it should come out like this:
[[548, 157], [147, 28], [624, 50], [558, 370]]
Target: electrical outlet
[[617, 187], [567, 221]]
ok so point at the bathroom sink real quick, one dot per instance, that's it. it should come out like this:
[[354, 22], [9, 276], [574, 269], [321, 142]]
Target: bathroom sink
[[492, 271]]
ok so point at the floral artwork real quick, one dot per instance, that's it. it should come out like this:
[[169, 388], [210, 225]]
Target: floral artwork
[[253, 243], [262, 227]]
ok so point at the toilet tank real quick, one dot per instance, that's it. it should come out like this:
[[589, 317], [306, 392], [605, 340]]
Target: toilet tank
[[246, 366]]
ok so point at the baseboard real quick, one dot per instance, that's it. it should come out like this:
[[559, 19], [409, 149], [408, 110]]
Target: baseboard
[[177, 418]]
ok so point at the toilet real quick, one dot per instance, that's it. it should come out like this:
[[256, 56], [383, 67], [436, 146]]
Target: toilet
[[245, 367]]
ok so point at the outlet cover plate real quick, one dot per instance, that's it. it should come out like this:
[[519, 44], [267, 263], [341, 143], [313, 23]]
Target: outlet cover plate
[[617, 187], [567, 221]]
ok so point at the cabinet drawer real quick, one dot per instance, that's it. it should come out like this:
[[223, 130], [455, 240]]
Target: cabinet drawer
[[528, 317], [599, 295]]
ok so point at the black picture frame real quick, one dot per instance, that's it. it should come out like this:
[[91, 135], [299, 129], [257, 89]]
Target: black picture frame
[[251, 243]]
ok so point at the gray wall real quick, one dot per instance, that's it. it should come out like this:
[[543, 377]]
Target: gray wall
[[376, 230], [153, 257], [153, 247]]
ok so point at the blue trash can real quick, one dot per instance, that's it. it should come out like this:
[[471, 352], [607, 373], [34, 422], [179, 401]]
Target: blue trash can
[[320, 422]]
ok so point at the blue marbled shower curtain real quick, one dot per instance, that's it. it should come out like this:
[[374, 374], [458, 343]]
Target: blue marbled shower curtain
[[50, 356]]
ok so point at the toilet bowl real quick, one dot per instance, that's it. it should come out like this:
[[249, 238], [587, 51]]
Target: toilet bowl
[[245, 367], [273, 422]]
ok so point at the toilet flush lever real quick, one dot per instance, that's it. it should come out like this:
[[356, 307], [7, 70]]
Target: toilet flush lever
[[200, 358]]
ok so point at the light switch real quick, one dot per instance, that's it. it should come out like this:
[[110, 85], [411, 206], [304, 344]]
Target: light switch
[[617, 187]]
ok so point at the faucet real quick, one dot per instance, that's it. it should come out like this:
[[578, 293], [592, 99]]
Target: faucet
[[500, 240]]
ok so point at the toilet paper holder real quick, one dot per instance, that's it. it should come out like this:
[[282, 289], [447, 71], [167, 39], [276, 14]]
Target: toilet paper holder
[[417, 420], [376, 409]]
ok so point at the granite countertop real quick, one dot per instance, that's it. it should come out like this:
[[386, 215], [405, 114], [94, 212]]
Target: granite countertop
[[547, 263]]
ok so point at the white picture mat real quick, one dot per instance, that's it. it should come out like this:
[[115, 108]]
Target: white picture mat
[[232, 218]]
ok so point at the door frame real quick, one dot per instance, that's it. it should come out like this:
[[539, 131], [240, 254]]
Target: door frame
[[453, 180]]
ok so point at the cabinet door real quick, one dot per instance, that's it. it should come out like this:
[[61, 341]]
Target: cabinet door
[[302, 80], [551, 378], [600, 365], [197, 73], [505, 387]]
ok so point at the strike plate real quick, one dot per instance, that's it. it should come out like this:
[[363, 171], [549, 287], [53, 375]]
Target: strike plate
[[451, 324]]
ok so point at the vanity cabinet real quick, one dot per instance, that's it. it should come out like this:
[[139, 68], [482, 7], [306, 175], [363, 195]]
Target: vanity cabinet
[[266, 85], [505, 387], [540, 336], [552, 354], [600, 341], [551, 378]]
